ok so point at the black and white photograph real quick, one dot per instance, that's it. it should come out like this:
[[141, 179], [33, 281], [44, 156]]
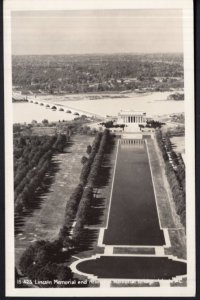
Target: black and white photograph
[[99, 106]]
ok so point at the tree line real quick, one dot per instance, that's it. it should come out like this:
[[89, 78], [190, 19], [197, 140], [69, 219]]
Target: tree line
[[175, 175]]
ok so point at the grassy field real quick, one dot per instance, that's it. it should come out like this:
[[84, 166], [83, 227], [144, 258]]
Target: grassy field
[[43, 130], [46, 221], [182, 282], [178, 248], [129, 250]]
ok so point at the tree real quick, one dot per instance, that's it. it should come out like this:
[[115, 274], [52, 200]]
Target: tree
[[64, 237], [77, 231], [47, 272], [45, 122], [84, 159], [64, 273], [64, 231], [39, 261], [26, 259], [89, 149]]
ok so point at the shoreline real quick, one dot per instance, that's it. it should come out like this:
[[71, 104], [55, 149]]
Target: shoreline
[[118, 94]]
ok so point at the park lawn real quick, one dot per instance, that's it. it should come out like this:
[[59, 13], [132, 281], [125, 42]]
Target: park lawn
[[43, 130], [46, 221], [182, 282], [135, 250], [177, 238]]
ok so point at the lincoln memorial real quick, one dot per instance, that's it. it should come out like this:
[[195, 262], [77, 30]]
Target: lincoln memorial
[[131, 117]]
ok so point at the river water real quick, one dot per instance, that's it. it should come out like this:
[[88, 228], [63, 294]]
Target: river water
[[153, 104], [27, 112]]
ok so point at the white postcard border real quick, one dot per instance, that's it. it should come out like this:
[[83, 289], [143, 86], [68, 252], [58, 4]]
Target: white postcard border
[[187, 6]]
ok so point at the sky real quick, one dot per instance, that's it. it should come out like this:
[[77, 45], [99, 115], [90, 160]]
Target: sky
[[99, 31]]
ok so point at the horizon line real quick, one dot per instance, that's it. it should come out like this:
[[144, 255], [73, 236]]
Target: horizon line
[[99, 53]]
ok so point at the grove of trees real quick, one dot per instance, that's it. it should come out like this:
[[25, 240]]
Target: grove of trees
[[32, 159], [40, 261], [175, 176]]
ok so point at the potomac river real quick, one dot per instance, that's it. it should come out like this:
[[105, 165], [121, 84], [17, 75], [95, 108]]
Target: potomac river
[[153, 104]]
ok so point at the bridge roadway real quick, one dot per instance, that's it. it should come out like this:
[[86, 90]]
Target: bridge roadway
[[65, 108]]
